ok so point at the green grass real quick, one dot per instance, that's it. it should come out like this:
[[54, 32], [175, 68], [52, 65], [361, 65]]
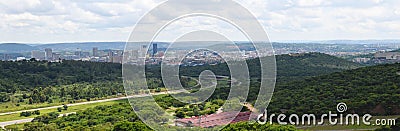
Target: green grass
[[16, 116], [12, 105], [15, 126]]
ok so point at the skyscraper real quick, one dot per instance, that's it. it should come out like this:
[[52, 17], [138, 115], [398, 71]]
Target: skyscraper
[[78, 53], [154, 49], [49, 53], [38, 55], [95, 52]]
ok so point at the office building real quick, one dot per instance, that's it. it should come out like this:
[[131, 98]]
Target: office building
[[38, 55], [154, 50], [49, 54], [96, 52]]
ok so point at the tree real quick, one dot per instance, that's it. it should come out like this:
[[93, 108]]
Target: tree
[[25, 113], [130, 126], [36, 112], [59, 109], [180, 114], [46, 118], [32, 60], [65, 106]]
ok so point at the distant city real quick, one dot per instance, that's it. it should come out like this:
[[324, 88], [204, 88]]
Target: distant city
[[356, 51]]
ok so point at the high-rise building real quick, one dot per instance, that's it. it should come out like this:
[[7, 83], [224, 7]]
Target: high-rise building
[[96, 52], [78, 53], [143, 51], [49, 53], [38, 55], [154, 49], [56, 56]]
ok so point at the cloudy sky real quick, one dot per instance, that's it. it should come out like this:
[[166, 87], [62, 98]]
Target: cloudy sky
[[47, 21]]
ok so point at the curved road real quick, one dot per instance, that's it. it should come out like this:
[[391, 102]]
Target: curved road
[[6, 123], [90, 102]]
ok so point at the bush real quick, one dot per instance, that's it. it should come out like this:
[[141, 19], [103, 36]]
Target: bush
[[26, 113], [65, 107], [36, 112], [59, 109]]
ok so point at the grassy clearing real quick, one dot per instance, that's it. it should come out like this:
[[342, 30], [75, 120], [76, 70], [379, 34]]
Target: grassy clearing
[[76, 108], [14, 105], [15, 126]]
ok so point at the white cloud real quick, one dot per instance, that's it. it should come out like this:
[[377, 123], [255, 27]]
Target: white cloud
[[112, 20], [311, 2]]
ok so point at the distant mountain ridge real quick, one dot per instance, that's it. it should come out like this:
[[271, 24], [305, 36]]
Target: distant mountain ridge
[[16, 48], [83, 46], [28, 47]]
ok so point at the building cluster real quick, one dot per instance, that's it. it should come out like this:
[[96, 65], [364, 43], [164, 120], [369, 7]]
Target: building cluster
[[155, 55], [114, 56], [379, 57], [387, 55], [361, 60]]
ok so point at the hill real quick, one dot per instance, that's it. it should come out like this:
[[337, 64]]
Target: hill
[[15, 48], [289, 67], [82, 46], [300, 66], [373, 90], [121, 117], [27, 75]]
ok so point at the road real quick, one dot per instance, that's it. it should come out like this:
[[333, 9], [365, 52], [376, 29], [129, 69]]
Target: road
[[74, 104], [4, 124], [90, 102]]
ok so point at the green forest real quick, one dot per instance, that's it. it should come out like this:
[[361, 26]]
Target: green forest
[[373, 90], [119, 117], [306, 83]]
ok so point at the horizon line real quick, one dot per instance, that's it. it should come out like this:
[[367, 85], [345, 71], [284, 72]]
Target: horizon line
[[277, 41]]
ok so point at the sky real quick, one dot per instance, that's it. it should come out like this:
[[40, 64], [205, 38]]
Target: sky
[[50, 21]]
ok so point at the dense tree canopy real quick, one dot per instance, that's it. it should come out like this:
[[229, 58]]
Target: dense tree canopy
[[373, 90], [27, 75], [121, 117]]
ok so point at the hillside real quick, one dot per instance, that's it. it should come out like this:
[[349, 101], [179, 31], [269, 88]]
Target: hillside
[[26, 75], [300, 66], [15, 48], [289, 67], [82, 46], [121, 117], [372, 90]]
